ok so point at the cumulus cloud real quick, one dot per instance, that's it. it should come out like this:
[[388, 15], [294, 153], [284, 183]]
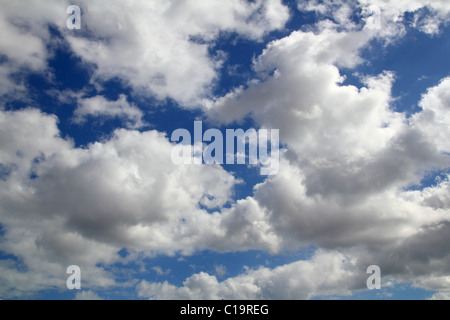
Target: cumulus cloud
[[435, 116], [349, 156], [98, 106], [344, 179], [160, 48], [326, 274], [62, 205], [381, 17], [168, 57], [441, 296], [429, 16], [24, 23]]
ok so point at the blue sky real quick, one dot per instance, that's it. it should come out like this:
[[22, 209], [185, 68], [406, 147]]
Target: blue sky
[[86, 176]]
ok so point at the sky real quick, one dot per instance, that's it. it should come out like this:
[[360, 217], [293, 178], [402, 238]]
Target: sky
[[358, 89]]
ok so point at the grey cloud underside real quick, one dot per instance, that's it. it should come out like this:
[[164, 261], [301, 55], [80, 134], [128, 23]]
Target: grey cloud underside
[[343, 180]]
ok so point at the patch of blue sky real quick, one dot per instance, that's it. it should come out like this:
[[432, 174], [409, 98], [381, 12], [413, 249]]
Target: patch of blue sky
[[5, 171], [240, 52], [176, 269], [431, 179], [53, 294], [419, 61], [15, 261], [398, 291]]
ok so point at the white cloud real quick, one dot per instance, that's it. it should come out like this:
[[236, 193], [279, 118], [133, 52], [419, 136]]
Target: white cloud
[[221, 270], [411, 5], [149, 45], [160, 272], [63, 205], [326, 274], [87, 295], [382, 17], [24, 23], [441, 296], [430, 23], [160, 48], [349, 156], [434, 119], [342, 179], [100, 107]]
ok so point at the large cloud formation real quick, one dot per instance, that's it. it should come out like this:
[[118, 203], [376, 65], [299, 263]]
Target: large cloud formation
[[344, 181]]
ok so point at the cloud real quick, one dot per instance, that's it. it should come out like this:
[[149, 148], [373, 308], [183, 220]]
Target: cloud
[[326, 274], [160, 49], [168, 57], [221, 270], [63, 205], [99, 107], [435, 116], [380, 17], [87, 295], [441, 296], [350, 158], [345, 174], [24, 23], [160, 272], [429, 16]]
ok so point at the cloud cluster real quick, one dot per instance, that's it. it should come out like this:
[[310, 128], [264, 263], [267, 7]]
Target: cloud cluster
[[350, 158], [160, 48], [326, 274], [429, 16], [387, 19], [344, 182], [63, 205]]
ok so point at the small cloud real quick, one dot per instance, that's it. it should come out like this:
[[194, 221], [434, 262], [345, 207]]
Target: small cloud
[[221, 270], [385, 294], [87, 295], [160, 272], [100, 107]]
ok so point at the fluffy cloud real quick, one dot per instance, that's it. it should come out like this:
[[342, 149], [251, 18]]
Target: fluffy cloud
[[411, 5], [25, 23], [382, 17], [63, 205], [100, 107], [343, 182], [160, 48], [349, 156], [434, 119], [326, 274], [87, 295], [429, 15], [441, 296]]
